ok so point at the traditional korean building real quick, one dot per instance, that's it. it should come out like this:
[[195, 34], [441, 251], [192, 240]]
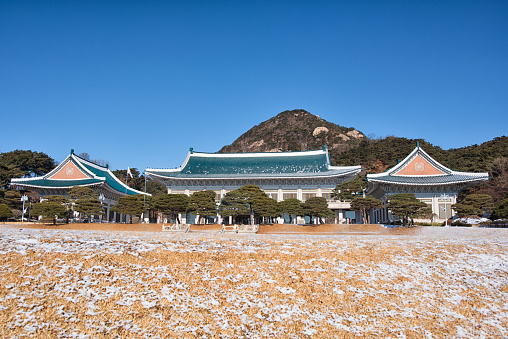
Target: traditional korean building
[[76, 171], [431, 182], [282, 175]]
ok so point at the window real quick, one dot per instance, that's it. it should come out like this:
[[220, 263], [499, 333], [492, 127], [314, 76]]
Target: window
[[287, 196], [272, 195], [327, 196], [307, 196]]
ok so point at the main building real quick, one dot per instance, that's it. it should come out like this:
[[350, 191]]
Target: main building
[[281, 175]]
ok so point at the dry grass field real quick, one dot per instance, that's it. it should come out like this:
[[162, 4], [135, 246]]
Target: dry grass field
[[320, 282]]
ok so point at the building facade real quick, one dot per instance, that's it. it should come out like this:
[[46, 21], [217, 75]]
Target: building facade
[[431, 182], [76, 171], [281, 175]]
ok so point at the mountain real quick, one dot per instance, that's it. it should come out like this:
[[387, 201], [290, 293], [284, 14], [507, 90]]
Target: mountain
[[296, 130], [299, 130]]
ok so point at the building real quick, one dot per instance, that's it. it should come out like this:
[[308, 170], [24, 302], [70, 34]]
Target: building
[[431, 182], [282, 175], [76, 171]]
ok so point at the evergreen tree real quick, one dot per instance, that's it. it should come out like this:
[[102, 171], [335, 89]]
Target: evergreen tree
[[347, 191], [365, 205], [501, 210], [49, 210], [81, 192], [406, 206], [265, 206], [474, 204], [250, 192], [85, 201], [5, 212], [18, 163], [59, 199], [172, 204], [317, 207], [234, 203], [202, 203], [13, 199], [292, 207], [129, 205]]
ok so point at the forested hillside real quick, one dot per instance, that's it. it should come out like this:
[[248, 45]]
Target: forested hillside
[[378, 155], [299, 130]]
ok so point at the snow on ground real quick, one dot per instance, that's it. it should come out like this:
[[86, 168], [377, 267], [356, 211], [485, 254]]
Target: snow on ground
[[89, 284]]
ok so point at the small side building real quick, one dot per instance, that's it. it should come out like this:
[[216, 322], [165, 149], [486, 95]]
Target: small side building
[[76, 171], [282, 175], [431, 182]]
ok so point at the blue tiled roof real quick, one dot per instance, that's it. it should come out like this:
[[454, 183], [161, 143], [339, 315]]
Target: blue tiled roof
[[448, 177], [430, 180]]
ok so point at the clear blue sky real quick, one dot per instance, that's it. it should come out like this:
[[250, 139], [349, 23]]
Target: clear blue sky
[[137, 83]]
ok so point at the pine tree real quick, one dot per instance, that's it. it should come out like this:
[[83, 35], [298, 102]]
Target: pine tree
[[172, 204], [406, 206], [365, 205], [5, 212], [317, 207], [129, 205], [292, 207], [202, 203], [49, 210]]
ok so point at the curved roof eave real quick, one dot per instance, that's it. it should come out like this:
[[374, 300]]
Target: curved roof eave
[[353, 170]]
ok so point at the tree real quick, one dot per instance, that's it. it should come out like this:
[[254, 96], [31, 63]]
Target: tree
[[203, 204], [265, 207], [172, 204], [5, 212], [49, 210], [501, 210], [82, 192], [154, 188], [347, 191], [59, 199], [129, 205], [88, 207], [317, 207], [365, 205], [474, 204], [85, 201], [234, 204], [292, 207], [249, 192], [406, 206], [18, 163], [13, 199]]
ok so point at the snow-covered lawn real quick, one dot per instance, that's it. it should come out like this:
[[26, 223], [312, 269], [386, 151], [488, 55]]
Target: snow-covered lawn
[[90, 284]]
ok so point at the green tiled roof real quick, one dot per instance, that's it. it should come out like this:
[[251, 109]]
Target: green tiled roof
[[41, 182], [97, 175], [255, 165], [232, 165], [110, 179]]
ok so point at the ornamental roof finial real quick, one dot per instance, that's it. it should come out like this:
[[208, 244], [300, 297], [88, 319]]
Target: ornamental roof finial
[[72, 150], [191, 150], [418, 144]]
